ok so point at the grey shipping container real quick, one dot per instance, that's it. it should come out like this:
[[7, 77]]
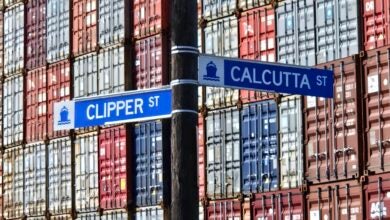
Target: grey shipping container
[[35, 184], [88, 216], [221, 39], [111, 72], [115, 215], [14, 39], [85, 75], [146, 213], [290, 142], [87, 188], [13, 182], [58, 30], [337, 29], [296, 32], [150, 180], [223, 153], [111, 22], [259, 147], [214, 9], [13, 111], [60, 174]]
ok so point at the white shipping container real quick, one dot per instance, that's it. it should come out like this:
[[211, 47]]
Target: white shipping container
[[36, 218], [290, 142], [111, 22], [60, 175], [61, 217], [88, 216], [13, 182], [111, 70], [14, 39], [35, 179], [87, 182], [114, 214], [146, 213], [337, 25], [85, 75], [13, 111], [221, 39], [296, 32], [214, 9], [58, 35]]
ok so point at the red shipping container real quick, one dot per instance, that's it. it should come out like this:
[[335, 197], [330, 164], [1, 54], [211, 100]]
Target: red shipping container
[[334, 146], [377, 197], [201, 158], [58, 85], [288, 204], [35, 34], [377, 98], [150, 17], [36, 105], [376, 21], [84, 26], [257, 42], [340, 200], [113, 168], [151, 62], [224, 209]]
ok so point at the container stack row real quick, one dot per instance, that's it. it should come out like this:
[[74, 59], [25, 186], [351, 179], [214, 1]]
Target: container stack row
[[58, 50], [281, 156]]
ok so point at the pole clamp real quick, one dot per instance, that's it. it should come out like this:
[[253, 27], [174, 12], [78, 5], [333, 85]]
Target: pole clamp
[[184, 49], [184, 82], [184, 111]]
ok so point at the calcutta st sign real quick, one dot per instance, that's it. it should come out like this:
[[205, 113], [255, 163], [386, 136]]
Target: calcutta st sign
[[271, 77]]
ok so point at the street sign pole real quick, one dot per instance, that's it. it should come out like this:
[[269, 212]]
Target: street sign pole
[[184, 57]]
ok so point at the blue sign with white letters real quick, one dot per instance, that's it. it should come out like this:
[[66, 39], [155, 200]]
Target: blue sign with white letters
[[132, 106], [270, 77]]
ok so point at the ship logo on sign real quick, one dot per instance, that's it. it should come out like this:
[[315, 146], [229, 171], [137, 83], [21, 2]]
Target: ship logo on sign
[[211, 72], [64, 116]]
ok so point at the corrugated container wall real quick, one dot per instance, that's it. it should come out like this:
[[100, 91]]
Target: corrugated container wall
[[58, 30], [13, 111], [1, 115], [115, 214], [201, 158], [296, 42], [149, 156], [377, 197], [217, 9], [259, 147], [1, 186], [35, 184], [340, 200], [58, 85], [291, 142], [223, 153], [14, 39], [8, 3], [113, 168], [151, 62], [376, 20], [150, 17], [88, 216], [36, 105], [257, 42], [221, 39], [249, 4], [332, 126], [84, 26], [61, 217], [13, 182], [280, 205], [111, 22], [60, 176], [111, 71], [85, 76], [1, 42], [224, 209], [86, 172], [377, 125], [35, 34], [146, 213]]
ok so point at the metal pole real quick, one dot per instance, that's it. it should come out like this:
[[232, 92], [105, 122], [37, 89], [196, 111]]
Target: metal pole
[[184, 62]]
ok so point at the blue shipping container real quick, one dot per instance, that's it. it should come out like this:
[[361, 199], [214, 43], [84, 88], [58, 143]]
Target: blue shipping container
[[148, 163], [259, 147]]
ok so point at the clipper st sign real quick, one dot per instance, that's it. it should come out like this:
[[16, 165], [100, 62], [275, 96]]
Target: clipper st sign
[[271, 77], [132, 106]]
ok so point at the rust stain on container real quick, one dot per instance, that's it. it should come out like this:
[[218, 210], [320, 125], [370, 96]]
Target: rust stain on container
[[333, 144]]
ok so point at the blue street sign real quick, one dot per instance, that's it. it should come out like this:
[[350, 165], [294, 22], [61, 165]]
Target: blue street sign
[[270, 77], [132, 106]]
